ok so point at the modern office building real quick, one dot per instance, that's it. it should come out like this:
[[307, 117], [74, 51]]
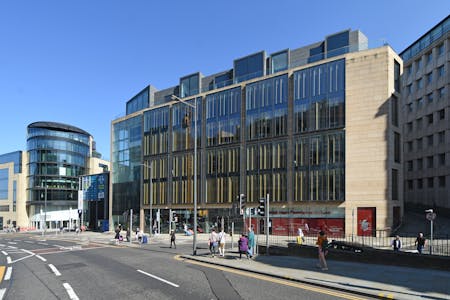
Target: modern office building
[[12, 190], [317, 129], [426, 110], [58, 154]]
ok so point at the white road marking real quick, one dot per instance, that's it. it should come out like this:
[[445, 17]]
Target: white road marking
[[12, 243], [59, 246], [158, 278], [8, 260], [41, 258], [12, 247], [54, 269], [2, 245], [70, 291], [27, 251], [22, 258], [2, 293], [45, 244], [29, 242], [4, 253], [8, 274]]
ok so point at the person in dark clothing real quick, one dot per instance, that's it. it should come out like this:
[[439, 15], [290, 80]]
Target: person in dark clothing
[[172, 239], [397, 244], [420, 242]]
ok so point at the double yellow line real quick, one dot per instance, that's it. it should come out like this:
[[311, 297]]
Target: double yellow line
[[274, 280], [2, 272]]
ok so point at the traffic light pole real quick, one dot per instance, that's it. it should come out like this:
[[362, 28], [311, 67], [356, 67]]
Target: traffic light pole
[[267, 225]]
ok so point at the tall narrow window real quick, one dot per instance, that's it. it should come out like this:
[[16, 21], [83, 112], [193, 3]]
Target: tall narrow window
[[396, 76], [395, 182], [397, 147]]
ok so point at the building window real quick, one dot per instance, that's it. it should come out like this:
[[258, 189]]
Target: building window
[[429, 78], [419, 144], [280, 61], [190, 85], [430, 119], [419, 123], [397, 76], [408, 70], [441, 159], [430, 162], [418, 64], [429, 56], [419, 84], [441, 180], [420, 183], [440, 49], [4, 173], [430, 97], [419, 103], [420, 164], [409, 107], [430, 140], [397, 147], [441, 114], [441, 92], [430, 182], [441, 137], [409, 89], [409, 127], [410, 185], [395, 184], [409, 165], [441, 71], [409, 146], [394, 103]]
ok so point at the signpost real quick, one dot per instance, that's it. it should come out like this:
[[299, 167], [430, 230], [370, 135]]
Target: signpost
[[431, 216]]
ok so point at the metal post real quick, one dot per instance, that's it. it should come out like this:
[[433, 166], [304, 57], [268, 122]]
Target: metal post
[[194, 246], [232, 235], [267, 224], [45, 210], [431, 240], [151, 198], [131, 223]]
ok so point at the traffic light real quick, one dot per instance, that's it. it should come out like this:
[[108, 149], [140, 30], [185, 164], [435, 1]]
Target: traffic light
[[242, 202], [262, 207]]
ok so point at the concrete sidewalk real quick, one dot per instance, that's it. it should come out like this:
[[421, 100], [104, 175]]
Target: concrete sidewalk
[[367, 279]]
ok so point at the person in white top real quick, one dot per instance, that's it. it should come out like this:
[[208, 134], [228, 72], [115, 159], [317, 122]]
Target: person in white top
[[222, 235]]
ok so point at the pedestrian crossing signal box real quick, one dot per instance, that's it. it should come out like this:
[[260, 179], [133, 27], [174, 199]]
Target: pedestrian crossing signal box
[[262, 207], [242, 202]]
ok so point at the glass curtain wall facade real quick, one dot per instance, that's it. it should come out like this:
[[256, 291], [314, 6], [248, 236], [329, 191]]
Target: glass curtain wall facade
[[57, 155], [126, 163]]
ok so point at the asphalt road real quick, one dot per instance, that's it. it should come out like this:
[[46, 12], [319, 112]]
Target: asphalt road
[[54, 268]]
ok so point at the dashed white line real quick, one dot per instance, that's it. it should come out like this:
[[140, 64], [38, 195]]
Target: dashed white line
[[41, 258], [27, 251], [158, 278], [4, 253], [12, 243], [12, 247], [2, 245], [8, 274], [70, 291], [54, 269], [2, 293], [8, 260], [45, 244]]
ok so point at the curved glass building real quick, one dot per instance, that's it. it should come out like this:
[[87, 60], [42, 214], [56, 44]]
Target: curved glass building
[[57, 155]]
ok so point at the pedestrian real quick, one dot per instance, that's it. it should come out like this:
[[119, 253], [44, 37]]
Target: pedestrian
[[300, 236], [397, 244], [117, 236], [243, 246], [222, 243], [322, 244], [420, 242], [251, 242], [128, 235], [172, 239], [213, 242]]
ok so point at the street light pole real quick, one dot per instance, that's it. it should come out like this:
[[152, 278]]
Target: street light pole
[[194, 244]]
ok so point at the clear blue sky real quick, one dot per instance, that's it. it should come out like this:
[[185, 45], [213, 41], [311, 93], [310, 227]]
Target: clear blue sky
[[78, 62]]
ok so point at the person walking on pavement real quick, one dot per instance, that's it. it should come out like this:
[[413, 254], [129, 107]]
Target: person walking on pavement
[[213, 242], [172, 239], [243, 246], [397, 244], [420, 242], [322, 244], [222, 243], [117, 231], [251, 242]]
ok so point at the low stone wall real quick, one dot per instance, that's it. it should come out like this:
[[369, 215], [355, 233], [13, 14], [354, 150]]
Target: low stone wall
[[368, 255]]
